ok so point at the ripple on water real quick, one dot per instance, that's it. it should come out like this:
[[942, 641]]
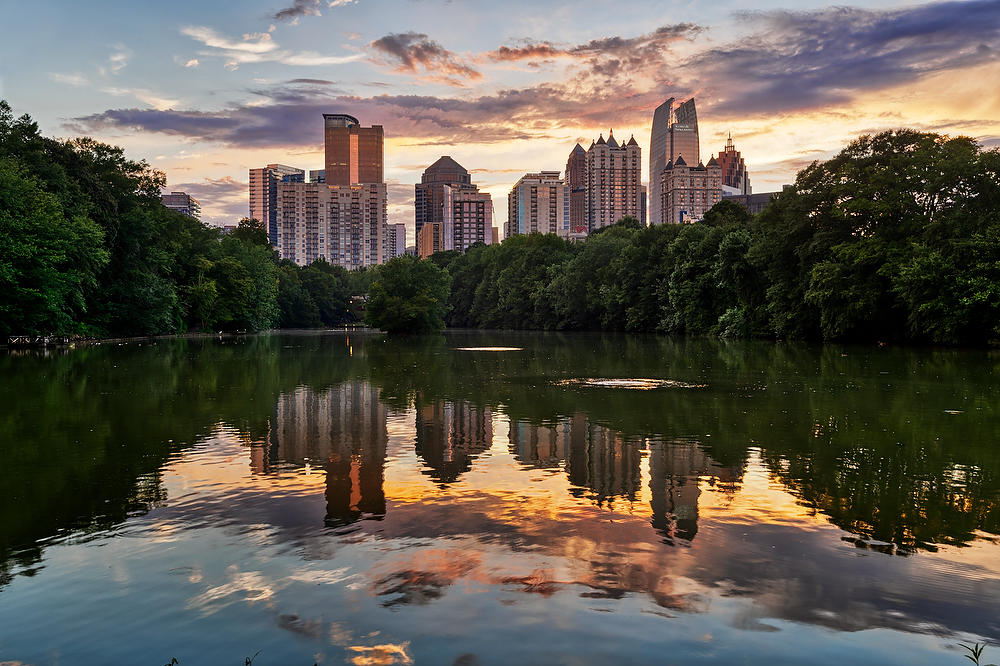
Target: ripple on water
[[638, 384]]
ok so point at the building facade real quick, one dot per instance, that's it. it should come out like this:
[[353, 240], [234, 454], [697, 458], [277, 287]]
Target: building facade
[[264, 194], [674, 134], [354, 154], [346, 225], [429, 239], [183, 203], [539, 203], [688, 192], [576, 184], [614, 187], [735, 177], [395, 241], [468, 218], [428, 201]]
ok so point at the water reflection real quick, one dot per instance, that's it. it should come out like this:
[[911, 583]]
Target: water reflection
[[450, 434], [396, 476], [342, 430], [677, 472]]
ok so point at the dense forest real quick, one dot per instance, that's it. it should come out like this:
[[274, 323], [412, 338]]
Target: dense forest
[[896, 239], [87, 248]]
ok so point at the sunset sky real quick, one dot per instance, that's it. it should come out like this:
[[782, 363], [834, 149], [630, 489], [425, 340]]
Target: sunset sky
[[205, 91]]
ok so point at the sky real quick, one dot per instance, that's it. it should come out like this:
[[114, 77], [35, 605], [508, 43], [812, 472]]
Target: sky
[[205, 91]]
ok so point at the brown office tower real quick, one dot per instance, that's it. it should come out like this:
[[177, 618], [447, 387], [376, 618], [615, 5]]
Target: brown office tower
[[353, 153], [576, 183]]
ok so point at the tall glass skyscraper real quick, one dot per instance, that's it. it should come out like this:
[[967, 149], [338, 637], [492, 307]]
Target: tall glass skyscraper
[[675, 133]]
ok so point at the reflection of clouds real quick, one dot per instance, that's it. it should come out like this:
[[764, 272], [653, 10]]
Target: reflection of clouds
[[253, 584]]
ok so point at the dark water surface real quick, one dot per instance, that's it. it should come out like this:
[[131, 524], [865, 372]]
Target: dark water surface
[[331, 498]]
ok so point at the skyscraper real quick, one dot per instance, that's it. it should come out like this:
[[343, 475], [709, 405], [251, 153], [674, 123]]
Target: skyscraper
[[346, 225], [468, 217], [343, 218], [264, 194], [538, 203], [613, 182], [428, 202], [354, 154], [675, 133], [735, 177], [576, 183]]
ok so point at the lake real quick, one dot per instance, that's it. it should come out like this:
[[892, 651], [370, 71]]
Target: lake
[[498, 498]]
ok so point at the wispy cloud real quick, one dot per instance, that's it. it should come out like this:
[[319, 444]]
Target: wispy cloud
[[150, 97], [118, 60], [416, 53], [78, 80], [300, 8], [258, 47]]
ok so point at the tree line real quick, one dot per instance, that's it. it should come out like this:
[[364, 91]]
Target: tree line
[[87, 248], [896, 238]]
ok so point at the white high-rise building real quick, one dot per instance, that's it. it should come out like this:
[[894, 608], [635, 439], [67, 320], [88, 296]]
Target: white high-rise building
[[395, 241], [264, 194], [538, 203], [346, 225]]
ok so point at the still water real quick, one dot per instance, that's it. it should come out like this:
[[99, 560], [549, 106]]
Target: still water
[[479, 498]]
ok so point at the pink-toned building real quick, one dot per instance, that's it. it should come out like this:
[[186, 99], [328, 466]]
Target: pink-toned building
[[688, 192]]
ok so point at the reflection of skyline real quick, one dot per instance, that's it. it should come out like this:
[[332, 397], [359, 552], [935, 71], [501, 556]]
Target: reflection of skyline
[[344, 430], [596, 458], [450, 434], [674, 471]]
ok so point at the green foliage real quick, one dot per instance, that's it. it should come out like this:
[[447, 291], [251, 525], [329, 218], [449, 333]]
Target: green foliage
[[975, 653], [410, 295], [49, 261], [897, 238]]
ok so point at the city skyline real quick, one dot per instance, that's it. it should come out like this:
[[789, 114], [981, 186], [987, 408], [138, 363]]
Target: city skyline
[[206, 93]]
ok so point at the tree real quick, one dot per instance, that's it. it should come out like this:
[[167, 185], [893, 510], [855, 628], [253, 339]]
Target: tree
[[48, 261], [410, 295]]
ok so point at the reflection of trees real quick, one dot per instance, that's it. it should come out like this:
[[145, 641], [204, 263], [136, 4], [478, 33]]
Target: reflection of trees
[[344, 430], [84, 433], [449, 436]]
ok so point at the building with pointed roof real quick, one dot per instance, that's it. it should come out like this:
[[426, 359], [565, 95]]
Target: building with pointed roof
[[460, 214], [576, 185], [735, 177], [686, 192], [613, 182]]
